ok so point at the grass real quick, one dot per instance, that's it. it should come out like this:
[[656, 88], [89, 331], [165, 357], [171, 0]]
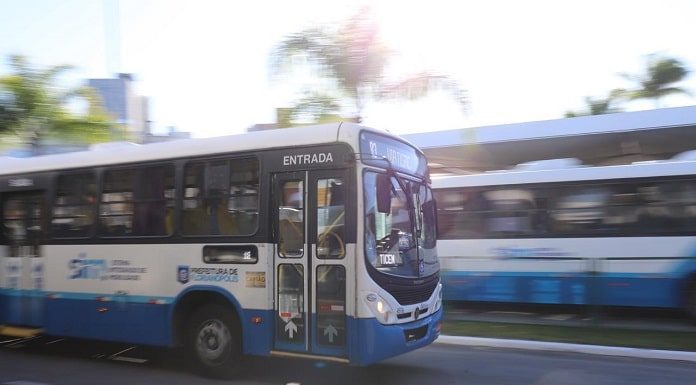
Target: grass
[[591, 335]]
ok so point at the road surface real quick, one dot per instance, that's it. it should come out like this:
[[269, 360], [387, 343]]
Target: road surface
[[55, 361]]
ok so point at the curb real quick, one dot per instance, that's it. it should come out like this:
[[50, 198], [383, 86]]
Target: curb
[[565, 347]]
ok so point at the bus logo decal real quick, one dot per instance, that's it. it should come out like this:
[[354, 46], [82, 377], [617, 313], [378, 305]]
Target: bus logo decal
[[255, 279], [182, 274], [185, 273], [83, 268]]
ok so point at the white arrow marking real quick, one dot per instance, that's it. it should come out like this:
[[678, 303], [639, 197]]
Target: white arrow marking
[[331, 332], [291, 328]]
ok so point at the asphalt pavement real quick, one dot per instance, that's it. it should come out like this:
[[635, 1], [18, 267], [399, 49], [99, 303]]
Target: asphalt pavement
[[54, 361]]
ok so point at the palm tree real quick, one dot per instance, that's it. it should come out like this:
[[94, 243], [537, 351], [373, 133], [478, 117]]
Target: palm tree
[[600, 106], [33, 107], [658, 80], [8, 115], [313, 107], [354, 59]]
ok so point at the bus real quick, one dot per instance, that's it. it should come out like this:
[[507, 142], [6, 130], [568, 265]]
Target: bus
[[557, 232], [314, 242]]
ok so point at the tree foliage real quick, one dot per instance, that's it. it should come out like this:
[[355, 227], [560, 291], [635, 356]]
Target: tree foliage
[[661, 75], [353, 57], [313, 106], [33, 106], [658, 81], [600, 106]]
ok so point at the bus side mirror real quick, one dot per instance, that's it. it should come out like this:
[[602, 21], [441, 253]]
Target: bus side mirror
[[429, 210], [384, 193]]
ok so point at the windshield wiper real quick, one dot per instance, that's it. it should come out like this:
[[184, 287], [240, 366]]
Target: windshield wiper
[[413, 218]]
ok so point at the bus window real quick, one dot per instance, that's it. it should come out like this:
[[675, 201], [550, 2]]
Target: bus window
[[511, 212], [623, 208], [138, 202], [580, 209], [461, 213], [330, 218], [73, 207], [331, 305], [116, 208], [670, 207], [221, 197], [291, 220], [291, 302]]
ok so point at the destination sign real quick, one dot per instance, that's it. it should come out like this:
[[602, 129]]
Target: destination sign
[[402, 157]]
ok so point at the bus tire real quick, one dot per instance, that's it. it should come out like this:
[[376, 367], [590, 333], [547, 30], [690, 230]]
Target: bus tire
[[215, 342]]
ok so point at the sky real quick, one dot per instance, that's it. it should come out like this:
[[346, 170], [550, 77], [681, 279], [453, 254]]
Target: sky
[[204, 63]]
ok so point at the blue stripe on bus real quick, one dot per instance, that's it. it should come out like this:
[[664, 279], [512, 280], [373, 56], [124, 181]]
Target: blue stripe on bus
[[615, 289], [122, 321]]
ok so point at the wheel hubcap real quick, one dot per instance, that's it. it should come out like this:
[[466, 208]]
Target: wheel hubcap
[[213, 340]]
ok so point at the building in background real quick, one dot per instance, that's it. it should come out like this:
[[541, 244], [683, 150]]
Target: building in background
[[128, 109]]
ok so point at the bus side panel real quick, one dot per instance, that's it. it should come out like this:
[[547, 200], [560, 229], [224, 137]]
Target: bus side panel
[[128, 292], [636, 290], [543, 288], [655, 290], [604, 271], [83, 316], [141, 322], [257, 337]]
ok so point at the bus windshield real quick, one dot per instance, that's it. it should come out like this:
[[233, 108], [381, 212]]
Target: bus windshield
[[401, 242]]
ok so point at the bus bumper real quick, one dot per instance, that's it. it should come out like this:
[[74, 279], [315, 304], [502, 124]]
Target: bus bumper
[[377, 342]]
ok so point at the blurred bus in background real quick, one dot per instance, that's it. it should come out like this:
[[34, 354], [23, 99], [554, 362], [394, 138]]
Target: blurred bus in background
[[556, 232]]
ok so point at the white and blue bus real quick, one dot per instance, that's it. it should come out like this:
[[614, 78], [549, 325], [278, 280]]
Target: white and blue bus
[[555, 232], [315, 242]]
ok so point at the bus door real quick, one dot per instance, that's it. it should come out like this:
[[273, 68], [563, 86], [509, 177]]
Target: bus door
[[310, 262], [23, 268]]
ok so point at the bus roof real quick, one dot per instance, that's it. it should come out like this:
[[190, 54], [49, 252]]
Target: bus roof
[[522, 176], [123, 153]]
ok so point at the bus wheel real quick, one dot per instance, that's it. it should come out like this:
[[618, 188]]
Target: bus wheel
[[215, 342]]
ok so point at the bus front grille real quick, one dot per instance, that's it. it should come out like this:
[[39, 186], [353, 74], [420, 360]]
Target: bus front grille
[[410, 295]]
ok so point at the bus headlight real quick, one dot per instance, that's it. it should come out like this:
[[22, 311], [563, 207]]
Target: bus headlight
[[380, 307], [438, 299]]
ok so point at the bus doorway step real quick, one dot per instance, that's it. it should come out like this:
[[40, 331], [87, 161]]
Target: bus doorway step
[[20, 332]]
